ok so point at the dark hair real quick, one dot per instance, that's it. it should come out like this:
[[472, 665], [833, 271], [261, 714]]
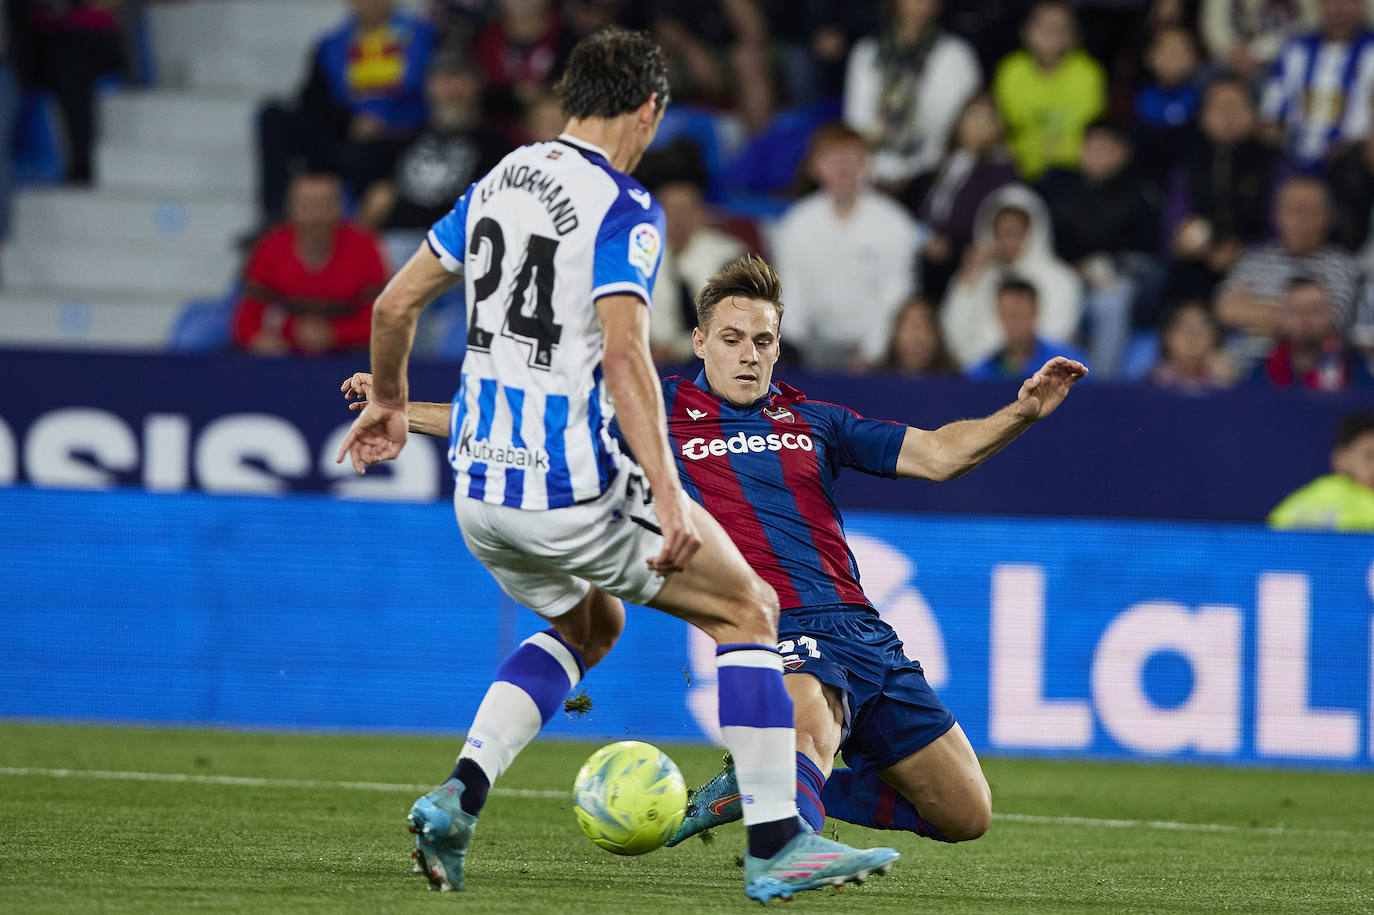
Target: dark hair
[[1037, 8], [749, 277], [1233, 79], [1014, 209], [1175, 314], [941, 362], [1171, 29], [452, 61], [1015, 284], [1108, 126], [612, 72], [1352, 426]]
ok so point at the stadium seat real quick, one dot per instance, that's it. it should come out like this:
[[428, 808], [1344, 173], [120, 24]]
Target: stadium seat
[[766, 168], [39, 157], [1142, 352], [703, 130], [203, 325], [448, 327]]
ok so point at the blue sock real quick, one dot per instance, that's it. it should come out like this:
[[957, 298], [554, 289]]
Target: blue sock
[[529, 688], [475, 786], [867, 800], [809, 785]]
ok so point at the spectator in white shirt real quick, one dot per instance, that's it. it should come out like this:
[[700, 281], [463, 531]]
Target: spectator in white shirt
[[694, 254], [1244, 35], [846, 254], [905, 87], [1012, 237]]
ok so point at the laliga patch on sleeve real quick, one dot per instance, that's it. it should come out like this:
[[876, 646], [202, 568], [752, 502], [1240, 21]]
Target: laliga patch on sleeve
[[644, 247]]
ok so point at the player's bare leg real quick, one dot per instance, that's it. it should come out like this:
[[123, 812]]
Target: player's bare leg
[[938, 792], [592, 626], [719, 594], [820, 719], [946, 785]]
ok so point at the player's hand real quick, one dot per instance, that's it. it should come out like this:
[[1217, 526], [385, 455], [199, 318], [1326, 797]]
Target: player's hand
[[1041, 393], [378, 434], [358, 385], [681, 539]]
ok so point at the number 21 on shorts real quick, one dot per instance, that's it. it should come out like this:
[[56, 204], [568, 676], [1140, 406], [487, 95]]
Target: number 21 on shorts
[[791, 651]]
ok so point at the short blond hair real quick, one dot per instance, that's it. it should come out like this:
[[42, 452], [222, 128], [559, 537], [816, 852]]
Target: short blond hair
[[749, 277]]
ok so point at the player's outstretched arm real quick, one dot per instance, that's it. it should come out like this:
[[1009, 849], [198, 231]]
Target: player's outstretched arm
[[425, 418], [379, 432], [638, 397], [954, 449]]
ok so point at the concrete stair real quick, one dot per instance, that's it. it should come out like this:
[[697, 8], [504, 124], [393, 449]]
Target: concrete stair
[[161, 172], [111, 266], [93, 217], [72, 319]]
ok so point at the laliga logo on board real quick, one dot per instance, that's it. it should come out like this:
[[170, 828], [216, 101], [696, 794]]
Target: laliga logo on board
[[887, 579]]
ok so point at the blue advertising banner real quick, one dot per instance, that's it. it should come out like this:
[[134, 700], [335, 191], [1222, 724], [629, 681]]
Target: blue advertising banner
[[230, 423], [1210, 642]]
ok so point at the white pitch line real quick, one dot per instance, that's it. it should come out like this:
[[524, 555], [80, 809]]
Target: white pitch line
[[253, 782], [1175, 826], [550, 794]]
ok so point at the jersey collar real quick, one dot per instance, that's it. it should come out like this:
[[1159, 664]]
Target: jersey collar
[[582, 146], [773, 391]]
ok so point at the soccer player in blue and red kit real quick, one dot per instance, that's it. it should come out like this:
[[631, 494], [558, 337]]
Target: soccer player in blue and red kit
[[762, 459]]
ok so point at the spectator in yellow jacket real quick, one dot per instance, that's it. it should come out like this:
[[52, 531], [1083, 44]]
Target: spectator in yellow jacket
[[1342, 500], [1048, 91]]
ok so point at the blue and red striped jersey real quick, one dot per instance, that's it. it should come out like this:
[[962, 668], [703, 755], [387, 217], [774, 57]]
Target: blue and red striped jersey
[[767, 471]]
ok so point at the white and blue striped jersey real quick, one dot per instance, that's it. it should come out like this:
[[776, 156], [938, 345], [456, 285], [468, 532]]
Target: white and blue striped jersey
[[1319, 91], [538, 239]]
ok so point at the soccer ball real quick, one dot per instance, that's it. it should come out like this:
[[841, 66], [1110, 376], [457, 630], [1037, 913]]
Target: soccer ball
[[629, 797]]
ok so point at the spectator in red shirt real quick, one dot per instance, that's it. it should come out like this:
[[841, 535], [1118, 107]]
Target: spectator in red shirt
[[1309, 352], [520, 53], [310, 281]]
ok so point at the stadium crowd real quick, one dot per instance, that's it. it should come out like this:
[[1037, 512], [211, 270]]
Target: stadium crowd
[[1180, 191]]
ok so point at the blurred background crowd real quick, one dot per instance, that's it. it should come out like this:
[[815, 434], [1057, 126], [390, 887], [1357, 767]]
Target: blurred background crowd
[[1178, 193]]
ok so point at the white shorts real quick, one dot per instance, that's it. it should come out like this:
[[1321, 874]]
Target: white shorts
[[548, 560]]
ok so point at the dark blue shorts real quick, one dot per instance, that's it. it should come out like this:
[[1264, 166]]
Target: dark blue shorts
[[890, 709]]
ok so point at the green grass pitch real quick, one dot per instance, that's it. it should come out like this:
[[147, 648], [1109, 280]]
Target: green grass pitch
[[246, 823]]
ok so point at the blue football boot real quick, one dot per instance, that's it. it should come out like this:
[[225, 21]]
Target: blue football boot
[[442, 833], [810, 862], [713, 804]]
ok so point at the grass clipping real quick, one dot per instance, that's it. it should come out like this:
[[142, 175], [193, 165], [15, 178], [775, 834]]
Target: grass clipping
[[578, 705]]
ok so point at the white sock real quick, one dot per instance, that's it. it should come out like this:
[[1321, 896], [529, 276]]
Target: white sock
[[530, 686], [756, 722]]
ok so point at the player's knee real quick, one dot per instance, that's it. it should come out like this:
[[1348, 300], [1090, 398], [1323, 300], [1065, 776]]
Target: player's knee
[[972, 825], [598, 643], [971, 821], [758, 614], [593, 636]]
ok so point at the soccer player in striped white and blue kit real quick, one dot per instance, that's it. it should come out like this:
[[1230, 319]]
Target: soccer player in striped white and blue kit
[[558, 249]]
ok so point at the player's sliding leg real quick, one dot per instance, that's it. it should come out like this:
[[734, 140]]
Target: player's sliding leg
[[529, 688], [938, 792], [719, 594], [819, 716]]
